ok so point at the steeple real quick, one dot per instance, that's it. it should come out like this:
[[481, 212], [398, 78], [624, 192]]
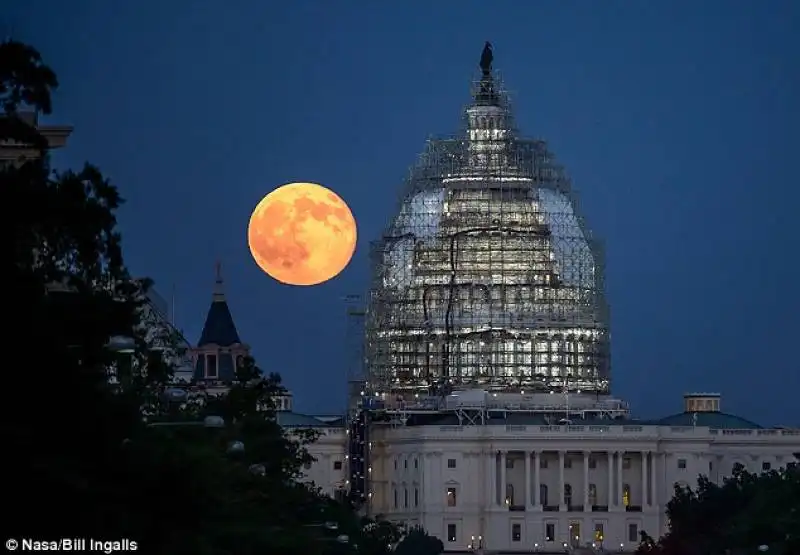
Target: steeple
[[219, 328], [219, 348]]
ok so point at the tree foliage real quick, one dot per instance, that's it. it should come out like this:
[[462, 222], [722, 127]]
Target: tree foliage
[[746, 511], [96, 457]]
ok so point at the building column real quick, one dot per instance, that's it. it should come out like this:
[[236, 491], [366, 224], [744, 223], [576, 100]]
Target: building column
[[645, 495], [620, 483], [586, 480], [561, 505], [503, 463], [537, 494], [493, 479], [527, 497], [611, 497]]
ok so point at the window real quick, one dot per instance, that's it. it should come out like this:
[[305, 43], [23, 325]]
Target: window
[[567, 495], [682, 464], [211, 366], [592, 462], [337, 465], [395, 464], [592, 494], [395, 499], [451, 532], [516, 532], [509, 494], [567, 462], [416, 496], [626, 494], [542, 462], [549, 532], [405, 498], [451, 463], [405, 463], [509, 462], [543, 494], [765, 466], [598, 531], [416, 463], [451, 497], [633, 532], [626, 463], [710, 466]]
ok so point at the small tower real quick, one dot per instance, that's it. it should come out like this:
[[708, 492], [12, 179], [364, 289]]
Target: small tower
[[219, 349]]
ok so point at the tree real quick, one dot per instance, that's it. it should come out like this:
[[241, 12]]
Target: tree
[[419, 542], [746, 511]]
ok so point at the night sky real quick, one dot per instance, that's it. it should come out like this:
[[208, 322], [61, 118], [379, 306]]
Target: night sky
[[677, 121]]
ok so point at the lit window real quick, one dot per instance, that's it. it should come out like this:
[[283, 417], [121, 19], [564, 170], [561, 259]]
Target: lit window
[[509, 494], [451, 497], [633, 532], [516, 532], [451, 532], [451, 463], [626, 463], [592, 494], [626, 494], [337, 465], [598, 531], [682, 464]]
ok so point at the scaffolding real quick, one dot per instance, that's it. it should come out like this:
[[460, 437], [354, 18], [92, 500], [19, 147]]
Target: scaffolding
[[487, 276]]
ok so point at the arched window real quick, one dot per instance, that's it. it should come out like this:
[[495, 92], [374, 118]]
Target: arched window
[[509, 494], [592, 494], [626, 494], [543, 494], [405, 498], [395, 499], [567, 495]]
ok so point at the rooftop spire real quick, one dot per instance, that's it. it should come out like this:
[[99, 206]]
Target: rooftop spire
[[486, 59], [219, 328], [219, 290]]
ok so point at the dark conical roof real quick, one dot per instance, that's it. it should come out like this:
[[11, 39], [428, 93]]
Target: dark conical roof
[[219, 328]]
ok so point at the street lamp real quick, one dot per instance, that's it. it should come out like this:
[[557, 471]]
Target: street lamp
[[121, 344]]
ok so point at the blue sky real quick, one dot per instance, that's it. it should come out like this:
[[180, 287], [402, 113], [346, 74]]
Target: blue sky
[[677, 121]]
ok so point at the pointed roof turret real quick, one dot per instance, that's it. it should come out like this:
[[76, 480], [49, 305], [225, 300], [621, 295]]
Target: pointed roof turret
[[219, 328]]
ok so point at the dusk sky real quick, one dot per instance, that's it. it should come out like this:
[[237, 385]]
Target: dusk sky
[[677, 121]]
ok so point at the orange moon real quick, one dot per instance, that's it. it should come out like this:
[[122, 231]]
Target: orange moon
[[302, 234]]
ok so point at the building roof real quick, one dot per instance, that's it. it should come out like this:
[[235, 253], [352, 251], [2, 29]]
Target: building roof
[[219, 328], [717, 420], [289, 419]]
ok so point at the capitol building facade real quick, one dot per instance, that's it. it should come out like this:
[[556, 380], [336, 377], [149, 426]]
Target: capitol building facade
[[484, 413]]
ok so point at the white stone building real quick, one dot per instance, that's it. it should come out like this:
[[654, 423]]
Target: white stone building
[[514, 475]]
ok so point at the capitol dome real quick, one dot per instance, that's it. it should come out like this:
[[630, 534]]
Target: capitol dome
[[487, 276]]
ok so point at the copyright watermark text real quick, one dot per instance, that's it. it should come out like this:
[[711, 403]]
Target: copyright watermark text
[[71, 544]]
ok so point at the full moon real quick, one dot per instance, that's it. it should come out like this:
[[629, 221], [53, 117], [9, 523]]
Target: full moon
[[302, 234]]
